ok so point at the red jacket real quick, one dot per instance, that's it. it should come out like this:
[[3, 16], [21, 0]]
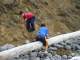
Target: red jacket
[[27, 15]]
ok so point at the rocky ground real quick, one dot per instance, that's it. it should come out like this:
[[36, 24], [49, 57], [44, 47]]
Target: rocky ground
[[61, 51]]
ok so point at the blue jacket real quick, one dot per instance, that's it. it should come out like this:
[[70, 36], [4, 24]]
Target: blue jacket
[[43, 32]]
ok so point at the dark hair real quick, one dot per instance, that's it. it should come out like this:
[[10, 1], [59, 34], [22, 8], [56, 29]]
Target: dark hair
[[20, 12], [42, 25]]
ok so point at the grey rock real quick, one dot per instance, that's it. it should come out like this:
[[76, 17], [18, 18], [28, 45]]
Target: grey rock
[[78, 47], [62, 43], [54, 53], [47, 58], [52, 58], [52, 49], [40, 54], [68, 43], [69, 57], [78, 51], [26, 56], [23, 56], [57, 57], [72, 54], [67, 47], [37, 58], [49, 55], [65, 56], [34, 58], [33, 54], [58, 46], [74, 47], [25, 59], [0, 49]]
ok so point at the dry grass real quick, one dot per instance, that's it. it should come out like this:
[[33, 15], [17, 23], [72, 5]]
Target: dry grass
[[13, 31]]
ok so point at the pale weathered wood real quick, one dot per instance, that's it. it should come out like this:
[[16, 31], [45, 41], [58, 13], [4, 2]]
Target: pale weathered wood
[[36, 45]]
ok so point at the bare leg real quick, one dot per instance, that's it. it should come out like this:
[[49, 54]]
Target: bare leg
[[46, 46]]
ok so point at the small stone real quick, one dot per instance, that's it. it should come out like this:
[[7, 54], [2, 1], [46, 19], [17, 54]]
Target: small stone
[[68, 47], [64, 56], [57, 57], [47, 58], [34, 58], [62, 43], [72, 54], [69, 57], [58, 46], [52, 49], [33, 54]]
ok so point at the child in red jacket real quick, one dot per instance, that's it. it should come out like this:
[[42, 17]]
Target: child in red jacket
[[29, 19]]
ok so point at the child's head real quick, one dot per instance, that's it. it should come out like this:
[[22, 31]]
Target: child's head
[[20, 13], [43, 25]]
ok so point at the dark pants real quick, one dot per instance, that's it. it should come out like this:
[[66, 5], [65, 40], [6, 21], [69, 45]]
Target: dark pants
[[30, 26], [41, 39]]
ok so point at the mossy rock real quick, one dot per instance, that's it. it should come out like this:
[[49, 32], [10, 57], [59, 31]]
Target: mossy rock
[[62, 51]]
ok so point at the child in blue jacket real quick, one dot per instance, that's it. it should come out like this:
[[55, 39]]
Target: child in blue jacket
[[42, 35]]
